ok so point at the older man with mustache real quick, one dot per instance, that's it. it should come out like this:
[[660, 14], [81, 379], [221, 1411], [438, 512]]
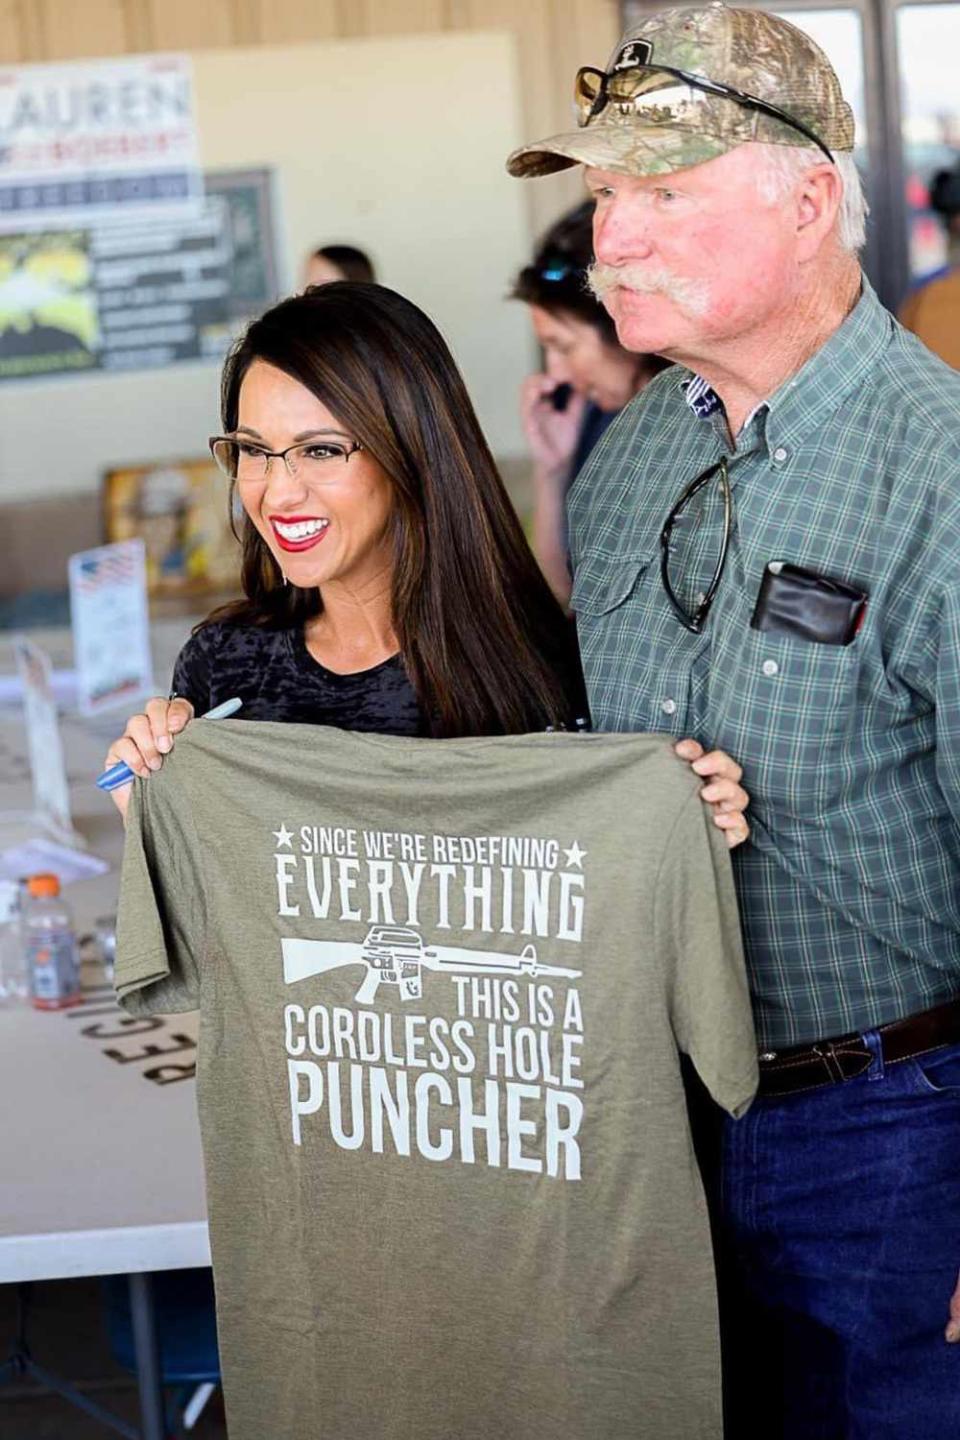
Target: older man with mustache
[[767, 556]]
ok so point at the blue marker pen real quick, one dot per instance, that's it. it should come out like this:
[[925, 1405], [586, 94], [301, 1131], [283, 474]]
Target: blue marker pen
[[121, 774]]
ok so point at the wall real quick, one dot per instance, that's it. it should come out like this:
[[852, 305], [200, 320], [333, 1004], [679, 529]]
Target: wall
[[553, 38], [415, 173]]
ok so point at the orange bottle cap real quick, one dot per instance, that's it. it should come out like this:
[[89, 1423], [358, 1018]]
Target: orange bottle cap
[[43, 886]]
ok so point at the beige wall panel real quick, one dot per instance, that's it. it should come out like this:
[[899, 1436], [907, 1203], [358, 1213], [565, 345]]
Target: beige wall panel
[[461, 15], [73, 29], [31, 30], [530, 23], [191, 24], [554, 37], [351, 18], [279, 22], [139, 26], [12, 40], [401, 17], [583, 33]]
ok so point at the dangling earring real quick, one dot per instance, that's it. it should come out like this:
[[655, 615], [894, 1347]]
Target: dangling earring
[[286, 579]]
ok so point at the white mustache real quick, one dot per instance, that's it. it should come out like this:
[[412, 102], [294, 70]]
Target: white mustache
[[691, 295]]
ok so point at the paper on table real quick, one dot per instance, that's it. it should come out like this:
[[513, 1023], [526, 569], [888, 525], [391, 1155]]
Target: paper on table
[[36, 856], [50, 789]]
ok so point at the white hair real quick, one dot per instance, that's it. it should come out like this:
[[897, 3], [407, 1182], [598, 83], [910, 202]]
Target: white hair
[[785, 164]]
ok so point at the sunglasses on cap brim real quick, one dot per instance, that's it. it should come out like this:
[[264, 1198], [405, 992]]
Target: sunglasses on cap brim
[[664, 97]]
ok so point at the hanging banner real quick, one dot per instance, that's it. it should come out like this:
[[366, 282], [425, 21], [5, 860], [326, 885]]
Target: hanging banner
[[97, 139]]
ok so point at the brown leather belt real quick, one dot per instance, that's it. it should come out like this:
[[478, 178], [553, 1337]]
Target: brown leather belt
[[807, 1067]]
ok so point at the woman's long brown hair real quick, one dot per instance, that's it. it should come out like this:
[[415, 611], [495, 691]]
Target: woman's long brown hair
[[486, 646]]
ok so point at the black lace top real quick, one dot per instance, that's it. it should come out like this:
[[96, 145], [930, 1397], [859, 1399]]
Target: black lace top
[[277, 678]]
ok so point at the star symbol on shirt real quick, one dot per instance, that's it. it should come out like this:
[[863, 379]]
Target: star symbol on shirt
[[283, 836], [574, 856]]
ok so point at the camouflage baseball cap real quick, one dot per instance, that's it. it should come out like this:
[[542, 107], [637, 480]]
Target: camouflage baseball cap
[[667, 125]]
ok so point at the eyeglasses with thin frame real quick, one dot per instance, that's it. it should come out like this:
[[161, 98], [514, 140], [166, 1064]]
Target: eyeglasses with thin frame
[[695, 619], [243, 459], [594, 89]]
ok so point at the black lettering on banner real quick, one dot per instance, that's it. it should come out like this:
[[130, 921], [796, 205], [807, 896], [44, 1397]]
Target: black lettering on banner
[[129, 1025], [170, 1074], [183, 1042]]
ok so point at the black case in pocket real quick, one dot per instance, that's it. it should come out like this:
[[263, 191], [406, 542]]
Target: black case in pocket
[[795, 601]]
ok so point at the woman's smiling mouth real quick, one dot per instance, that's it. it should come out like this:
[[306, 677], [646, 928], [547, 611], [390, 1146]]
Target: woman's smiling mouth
[[298, 532]]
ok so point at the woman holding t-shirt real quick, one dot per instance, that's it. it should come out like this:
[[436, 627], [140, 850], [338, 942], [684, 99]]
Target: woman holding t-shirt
[[388, 586]]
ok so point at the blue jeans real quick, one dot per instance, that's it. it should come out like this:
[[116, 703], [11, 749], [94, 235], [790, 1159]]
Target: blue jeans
[[839, 1251]]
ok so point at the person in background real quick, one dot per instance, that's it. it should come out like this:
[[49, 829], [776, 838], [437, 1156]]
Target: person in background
[[587, 380], [932, 310], [388, 586], [338, 262]]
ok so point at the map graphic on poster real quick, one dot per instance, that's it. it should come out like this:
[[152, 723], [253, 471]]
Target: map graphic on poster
[[135, 295], [48, 304]]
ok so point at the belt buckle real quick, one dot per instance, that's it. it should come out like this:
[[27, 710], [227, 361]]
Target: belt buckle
[[830, 1054], [824, 1050]]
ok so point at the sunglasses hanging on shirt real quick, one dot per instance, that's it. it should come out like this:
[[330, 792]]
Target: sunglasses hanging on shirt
[[693, 617]]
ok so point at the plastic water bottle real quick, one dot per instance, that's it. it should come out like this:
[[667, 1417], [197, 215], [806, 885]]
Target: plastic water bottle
[[49, 946], [13, 970]]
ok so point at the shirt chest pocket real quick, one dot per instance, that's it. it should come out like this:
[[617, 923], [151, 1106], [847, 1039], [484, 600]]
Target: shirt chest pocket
[[637, 667], [601, 585], [785, 708]]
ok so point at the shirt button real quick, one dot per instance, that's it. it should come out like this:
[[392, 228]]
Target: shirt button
[[669, 707], [770, 667], [780, 454]]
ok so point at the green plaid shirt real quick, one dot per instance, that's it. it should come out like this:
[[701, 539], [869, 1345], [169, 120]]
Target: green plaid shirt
[[849, 888]]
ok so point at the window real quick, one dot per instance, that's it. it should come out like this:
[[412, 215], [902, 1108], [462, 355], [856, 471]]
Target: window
[[928, 37]]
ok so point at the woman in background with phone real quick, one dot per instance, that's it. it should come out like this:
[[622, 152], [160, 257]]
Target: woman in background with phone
[[587, 380]]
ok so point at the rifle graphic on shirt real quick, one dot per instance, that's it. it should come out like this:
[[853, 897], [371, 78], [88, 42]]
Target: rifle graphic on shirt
[[395, 955]]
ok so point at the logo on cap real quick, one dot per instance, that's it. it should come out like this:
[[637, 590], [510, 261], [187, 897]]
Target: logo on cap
[[635, 52]]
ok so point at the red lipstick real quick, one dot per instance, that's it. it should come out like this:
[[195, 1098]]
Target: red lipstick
[[295, 543]]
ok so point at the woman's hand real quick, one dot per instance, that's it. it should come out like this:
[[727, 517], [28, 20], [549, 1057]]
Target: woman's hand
[[145, 741], [551, 434], [723, 791]]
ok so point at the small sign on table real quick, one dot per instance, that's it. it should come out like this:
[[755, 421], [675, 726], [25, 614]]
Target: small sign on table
[[51, 796], [111, 638]]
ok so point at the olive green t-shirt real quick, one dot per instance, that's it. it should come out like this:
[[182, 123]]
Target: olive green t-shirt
[[442, 988]]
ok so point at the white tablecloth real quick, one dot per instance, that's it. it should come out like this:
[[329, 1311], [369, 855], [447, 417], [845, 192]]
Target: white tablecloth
[[100, 1163]]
